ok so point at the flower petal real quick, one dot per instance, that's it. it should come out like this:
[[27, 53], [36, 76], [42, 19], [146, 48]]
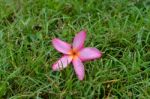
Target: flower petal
[[79, 39], [79, 68], [62, 63], [61, 46], [89, 54]]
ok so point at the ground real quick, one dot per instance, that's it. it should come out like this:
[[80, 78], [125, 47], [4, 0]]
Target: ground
[[119, 28]]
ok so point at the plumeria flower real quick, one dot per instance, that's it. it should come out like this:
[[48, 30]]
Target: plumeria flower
[[75, 53]]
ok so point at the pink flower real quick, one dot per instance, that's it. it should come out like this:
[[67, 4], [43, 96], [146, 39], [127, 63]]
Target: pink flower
[[75, 53]]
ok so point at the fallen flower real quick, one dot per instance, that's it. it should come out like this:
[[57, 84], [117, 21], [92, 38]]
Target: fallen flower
[[75, 53]]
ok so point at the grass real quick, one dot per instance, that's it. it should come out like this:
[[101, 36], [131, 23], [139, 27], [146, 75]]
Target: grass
[[119, 28]]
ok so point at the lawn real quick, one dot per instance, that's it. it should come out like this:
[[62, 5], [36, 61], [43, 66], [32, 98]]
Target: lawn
[[118, 28]]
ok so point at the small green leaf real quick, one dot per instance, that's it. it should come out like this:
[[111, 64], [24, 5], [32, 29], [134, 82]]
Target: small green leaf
[[3, 88]]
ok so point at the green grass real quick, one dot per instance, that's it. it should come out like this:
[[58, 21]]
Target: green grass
[[119, 28]]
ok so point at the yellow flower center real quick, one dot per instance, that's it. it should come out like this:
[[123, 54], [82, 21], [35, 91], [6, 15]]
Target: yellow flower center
[[74, 53]]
